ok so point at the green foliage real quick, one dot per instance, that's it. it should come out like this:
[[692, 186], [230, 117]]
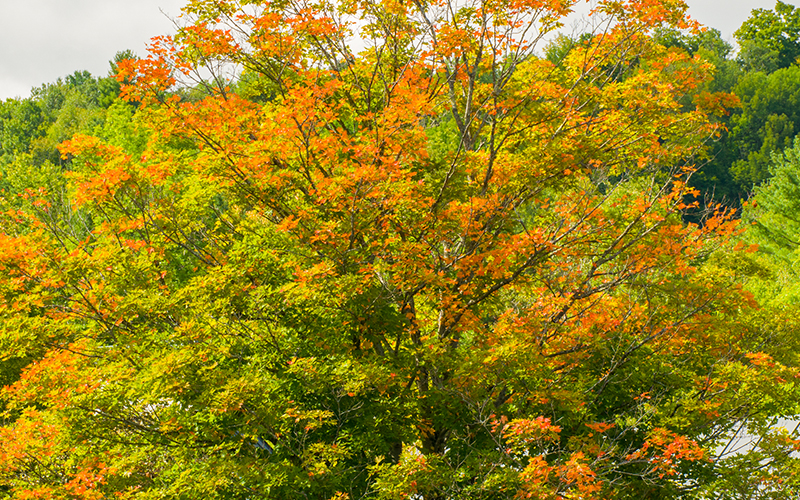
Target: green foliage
[[714, 178], [770, 38], [774, 226], [53, 114], [768, 122], [427, 272], [21, 123], [760, 461], [754, 57], [709, 40], [766, 80], [557, 50]]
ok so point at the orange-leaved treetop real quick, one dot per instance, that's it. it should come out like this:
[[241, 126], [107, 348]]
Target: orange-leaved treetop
[[380, 249]]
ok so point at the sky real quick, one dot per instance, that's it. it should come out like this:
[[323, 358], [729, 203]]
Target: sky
[[43, 40]]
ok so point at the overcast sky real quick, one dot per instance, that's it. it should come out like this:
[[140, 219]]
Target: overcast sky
[[42, 40]]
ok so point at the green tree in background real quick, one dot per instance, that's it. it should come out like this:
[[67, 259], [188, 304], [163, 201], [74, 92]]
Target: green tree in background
[[767, 82], [55, 112], [770, 38], [767, 123], [714, 179], [31, 128], [773, 218]]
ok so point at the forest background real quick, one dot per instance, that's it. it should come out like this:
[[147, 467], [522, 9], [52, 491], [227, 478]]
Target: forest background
[[458, 261]]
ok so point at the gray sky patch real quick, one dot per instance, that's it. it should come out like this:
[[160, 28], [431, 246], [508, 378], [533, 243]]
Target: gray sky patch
[[43, 40]]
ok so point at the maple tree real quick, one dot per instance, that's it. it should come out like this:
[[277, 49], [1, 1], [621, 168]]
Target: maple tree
[[399, 256]]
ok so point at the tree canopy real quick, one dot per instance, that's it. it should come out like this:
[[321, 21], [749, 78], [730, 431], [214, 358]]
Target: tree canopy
[[771, 34], [383, 249]]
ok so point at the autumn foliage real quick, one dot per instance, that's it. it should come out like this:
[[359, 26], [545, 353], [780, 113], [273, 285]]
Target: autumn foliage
[[381, 249]]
